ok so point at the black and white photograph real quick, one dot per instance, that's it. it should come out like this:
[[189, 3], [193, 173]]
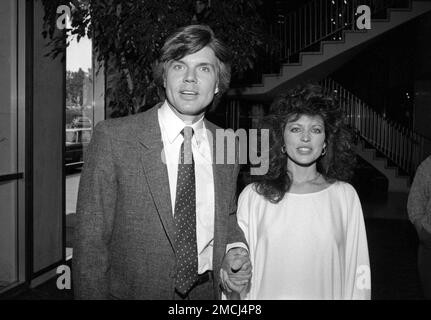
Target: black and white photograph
[[204, 152]]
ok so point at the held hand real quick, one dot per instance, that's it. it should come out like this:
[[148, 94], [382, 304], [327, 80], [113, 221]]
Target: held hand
[[236, 270]]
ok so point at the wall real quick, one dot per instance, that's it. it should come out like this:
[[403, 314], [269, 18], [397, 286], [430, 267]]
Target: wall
[[48, 135], [422, 109], [422, 90], [8, 141]]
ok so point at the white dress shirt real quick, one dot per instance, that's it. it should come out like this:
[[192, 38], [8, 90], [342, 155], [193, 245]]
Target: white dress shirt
[[171, 126]]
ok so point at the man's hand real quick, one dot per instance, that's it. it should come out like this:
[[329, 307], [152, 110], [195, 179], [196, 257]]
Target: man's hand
[[235, 272]]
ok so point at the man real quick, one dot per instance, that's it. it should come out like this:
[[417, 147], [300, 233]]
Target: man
[[148, 225], [419, 211]]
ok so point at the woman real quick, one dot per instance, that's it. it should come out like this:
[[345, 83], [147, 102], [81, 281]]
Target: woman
[[303, 224]]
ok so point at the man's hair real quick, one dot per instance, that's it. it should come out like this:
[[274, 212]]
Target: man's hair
[[188, 40]]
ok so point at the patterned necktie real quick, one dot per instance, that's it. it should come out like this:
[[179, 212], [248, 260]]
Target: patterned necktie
[[185, 217]]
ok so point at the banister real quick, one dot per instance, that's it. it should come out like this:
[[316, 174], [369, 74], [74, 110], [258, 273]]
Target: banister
[[314, 22], [400, 144]]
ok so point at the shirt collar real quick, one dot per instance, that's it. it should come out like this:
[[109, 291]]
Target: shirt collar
[[172, 124]]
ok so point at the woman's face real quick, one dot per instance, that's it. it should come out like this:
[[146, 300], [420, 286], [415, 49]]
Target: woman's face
[[304, 139]]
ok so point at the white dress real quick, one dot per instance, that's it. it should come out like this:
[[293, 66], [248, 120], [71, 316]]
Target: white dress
[[307, 246]]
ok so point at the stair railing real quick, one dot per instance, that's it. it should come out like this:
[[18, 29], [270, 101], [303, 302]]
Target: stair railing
[[404, 147], [305, 28], [320, 20]]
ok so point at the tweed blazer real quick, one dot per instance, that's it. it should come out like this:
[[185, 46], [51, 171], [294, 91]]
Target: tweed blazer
[[124, 235]]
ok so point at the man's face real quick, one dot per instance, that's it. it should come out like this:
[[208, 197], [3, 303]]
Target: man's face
[[191, 82]]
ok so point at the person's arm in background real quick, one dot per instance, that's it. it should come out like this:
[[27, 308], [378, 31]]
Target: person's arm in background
[[94, 219], [419, 195]]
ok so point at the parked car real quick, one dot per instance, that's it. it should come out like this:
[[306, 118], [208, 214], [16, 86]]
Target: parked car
[[81, 122], [77, 140]]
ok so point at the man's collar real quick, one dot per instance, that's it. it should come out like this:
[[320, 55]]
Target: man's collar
[[173, 125]]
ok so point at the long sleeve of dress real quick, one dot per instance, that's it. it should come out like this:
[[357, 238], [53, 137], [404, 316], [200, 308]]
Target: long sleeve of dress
[[357, 263], [243, 217]]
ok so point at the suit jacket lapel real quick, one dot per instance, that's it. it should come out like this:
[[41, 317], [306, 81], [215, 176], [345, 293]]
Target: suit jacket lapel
[[155, 169]]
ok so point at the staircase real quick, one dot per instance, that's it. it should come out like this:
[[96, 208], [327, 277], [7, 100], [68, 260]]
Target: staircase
[[316, 40], [328, 29], [397, 181], [401, 150]]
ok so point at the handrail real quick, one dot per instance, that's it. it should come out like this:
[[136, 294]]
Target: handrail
[[321, 20], [305, 28], [404, 147]]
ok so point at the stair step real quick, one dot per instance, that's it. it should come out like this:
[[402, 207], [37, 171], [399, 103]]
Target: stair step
[[397, 180], [329, 49]]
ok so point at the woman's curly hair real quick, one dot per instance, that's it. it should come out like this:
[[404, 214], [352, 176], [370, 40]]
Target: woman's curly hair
[[310, 100]]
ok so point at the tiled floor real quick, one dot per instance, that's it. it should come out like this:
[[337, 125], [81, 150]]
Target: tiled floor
[[393, 253]]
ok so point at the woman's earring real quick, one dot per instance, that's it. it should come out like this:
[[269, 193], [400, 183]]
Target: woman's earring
[[283, 149], [323, 151]]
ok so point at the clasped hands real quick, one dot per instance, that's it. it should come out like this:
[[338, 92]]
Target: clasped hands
[[235, 272]]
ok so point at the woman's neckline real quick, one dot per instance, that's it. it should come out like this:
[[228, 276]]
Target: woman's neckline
[[311, 193]]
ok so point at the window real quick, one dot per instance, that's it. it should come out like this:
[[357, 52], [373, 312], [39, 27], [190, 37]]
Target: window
[[11, 144], [84, 108]]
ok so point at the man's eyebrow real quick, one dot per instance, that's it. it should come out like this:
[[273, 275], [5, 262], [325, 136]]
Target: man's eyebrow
[[176, 61], [203, 63], [206, 64]]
